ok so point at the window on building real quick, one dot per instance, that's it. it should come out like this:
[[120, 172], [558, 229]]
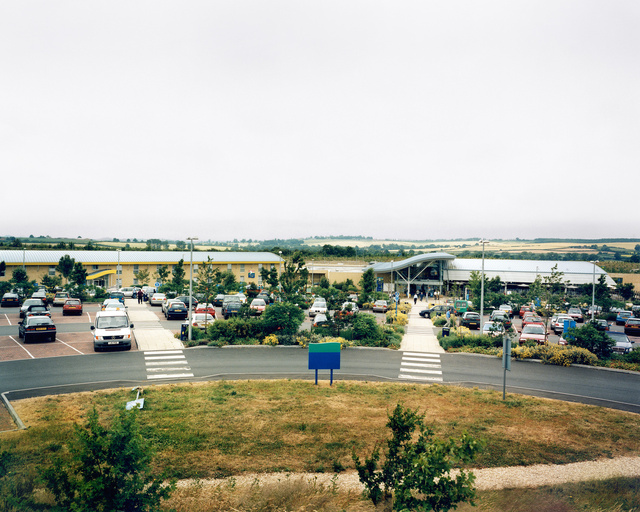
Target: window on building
[[228, 266], [242, 279], [136, 269], [94, 267], [242, 267], [259, 266], [52, 271], [135, 281]]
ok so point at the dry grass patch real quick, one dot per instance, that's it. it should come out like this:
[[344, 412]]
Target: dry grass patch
[[218, 429]]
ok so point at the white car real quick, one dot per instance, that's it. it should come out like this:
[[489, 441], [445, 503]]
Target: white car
[[380, 306], [557, 323], [157, 299], [201, 320], [318, 307], [111, 302], [353, 305], [258, 305], [493, 328], [127, 291]]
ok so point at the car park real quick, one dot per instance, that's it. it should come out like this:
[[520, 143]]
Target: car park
[[157, 299], [27, 303], [623, 343], [258, 306], [10, 299], [112, 329], [231, 308], [72, 307], [533, 332], [470, 320], [557, 323], [632, 327], [576, 314], [202, 320], [622, 317], [380, 306], [177, 309], [60, 297], [34, 328]]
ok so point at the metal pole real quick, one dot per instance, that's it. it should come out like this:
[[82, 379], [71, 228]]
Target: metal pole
[[482, 290], [118, 280], [191, 288], [593, 291]]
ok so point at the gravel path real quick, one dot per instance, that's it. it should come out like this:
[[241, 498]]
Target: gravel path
[[486, 479]]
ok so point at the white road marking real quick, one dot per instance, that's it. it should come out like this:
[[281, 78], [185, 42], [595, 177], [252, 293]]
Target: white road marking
[[81, 353], [20, 345]]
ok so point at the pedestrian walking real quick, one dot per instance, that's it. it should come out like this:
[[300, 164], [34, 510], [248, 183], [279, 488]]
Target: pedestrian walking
[[140, 294], [415, 299], [448, 316]]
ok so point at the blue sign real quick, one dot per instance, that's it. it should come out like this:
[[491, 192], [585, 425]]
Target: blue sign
[[324, 356], [158, 283], [397, 297]]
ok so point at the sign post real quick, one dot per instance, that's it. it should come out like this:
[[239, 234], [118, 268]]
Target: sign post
[[506, 361], [324, 356]]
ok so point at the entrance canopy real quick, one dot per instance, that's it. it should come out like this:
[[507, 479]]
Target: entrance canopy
[[417, 273]]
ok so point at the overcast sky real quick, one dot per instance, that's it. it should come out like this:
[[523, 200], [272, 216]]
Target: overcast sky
[[277, 119]]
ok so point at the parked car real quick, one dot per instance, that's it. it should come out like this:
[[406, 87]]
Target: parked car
[[265, 297], [113, 305], [40, 294], [177, 309], [507, 309], [557, 323], [37, 310], [202, 320], [72, 307], [218, 300], [438, 309], [576, 314], [27, 303], [166, 303], [33, 328], [117, 295], [258, 306], [470, 320], [380, 306], [623, 343], [622, 317], [147, 292], [350, 306], [533, 332], [320, 319], [531, 318], [632, 327], [10, 299], [185, 299], [231, 308], [500, 316], [60, 297], [600, 324], [493, 328], [525, 309], [157, 299], [206, 308], [318, 306], [112, 329]]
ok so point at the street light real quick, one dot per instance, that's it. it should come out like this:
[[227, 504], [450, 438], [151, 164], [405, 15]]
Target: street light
[[483, 242], [593, 291], [191, 285], [118, 280]]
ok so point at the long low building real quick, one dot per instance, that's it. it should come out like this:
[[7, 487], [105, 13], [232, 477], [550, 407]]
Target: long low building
[[438, 270], [120, 268]]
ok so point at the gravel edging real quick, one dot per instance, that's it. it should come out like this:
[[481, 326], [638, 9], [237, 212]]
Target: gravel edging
[[486, 479]]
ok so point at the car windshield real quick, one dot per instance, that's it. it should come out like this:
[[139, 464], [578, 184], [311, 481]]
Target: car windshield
[[111, 322], [73, 302], [533, 329], [257, 302], [574, 310], [633, 321], [39, 320], [472, 316]]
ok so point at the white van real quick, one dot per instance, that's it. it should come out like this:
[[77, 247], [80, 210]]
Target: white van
[[111, 329]]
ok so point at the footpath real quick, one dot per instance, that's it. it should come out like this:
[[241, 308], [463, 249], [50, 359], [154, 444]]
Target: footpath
[[419, 334], [148, 332]]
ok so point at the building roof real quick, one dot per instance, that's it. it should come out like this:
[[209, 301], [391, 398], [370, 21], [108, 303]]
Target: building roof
[[388, 266], [33, 257]]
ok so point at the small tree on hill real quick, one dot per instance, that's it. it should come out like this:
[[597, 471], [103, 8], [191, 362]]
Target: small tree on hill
[[416, 475], [106, 469]]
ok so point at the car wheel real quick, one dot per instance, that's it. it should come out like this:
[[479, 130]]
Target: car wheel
[[53, 339], [25, 339]]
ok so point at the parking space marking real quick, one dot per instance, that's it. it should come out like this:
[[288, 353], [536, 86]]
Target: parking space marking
[[7, 317], [20, 345], [81, 353]]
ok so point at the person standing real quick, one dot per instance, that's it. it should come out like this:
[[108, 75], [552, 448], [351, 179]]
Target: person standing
[[448, 316], [140, 294]]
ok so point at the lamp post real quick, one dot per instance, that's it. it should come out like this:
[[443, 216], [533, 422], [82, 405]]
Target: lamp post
[[118, 280], [593, 291], [483, 242], [191, 239], [280, 275]]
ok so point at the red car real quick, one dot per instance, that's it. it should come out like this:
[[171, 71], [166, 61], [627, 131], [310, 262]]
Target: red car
[[525, 309], [531, 318], [206, 308], [533, 332], [72, 307]]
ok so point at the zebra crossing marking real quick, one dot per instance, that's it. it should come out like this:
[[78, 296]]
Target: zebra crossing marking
[[420, 366], [173, 364]]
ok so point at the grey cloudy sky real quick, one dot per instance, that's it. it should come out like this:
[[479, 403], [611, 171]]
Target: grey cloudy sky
[[262, 119]]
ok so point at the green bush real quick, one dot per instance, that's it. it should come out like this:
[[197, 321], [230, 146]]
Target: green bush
[[235, 331], [365, 327], [483, 341]]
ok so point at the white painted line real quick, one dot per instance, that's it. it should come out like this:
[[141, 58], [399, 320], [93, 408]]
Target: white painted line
[[163, 352], [422, 365], [150, 358], [91, 321], [417, 377], [69, 346], [156, 363], [168, 376], [415, 370], [20, 345], [184, 368], [5, 315], [422, 359], [420, 354]]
